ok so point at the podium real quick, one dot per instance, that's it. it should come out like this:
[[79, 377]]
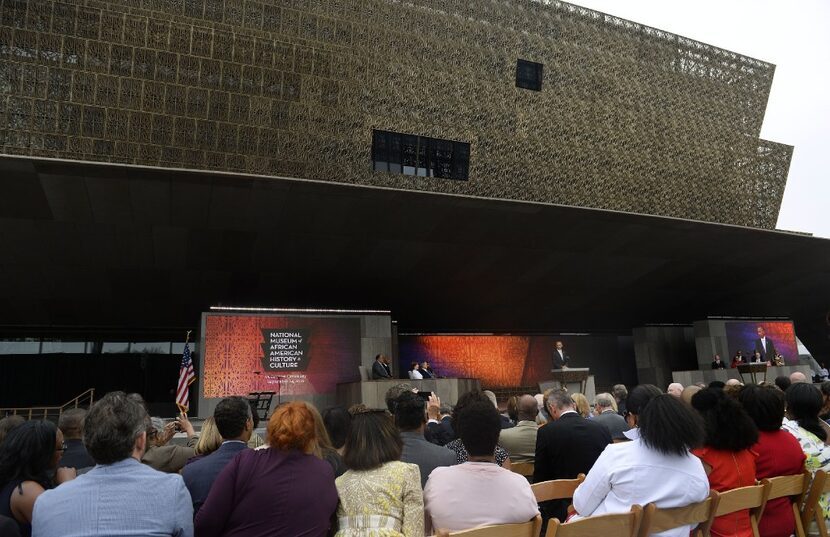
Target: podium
[[571, 378], [753, 370]]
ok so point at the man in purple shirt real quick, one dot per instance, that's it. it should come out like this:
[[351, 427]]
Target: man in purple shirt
[[235, 423]]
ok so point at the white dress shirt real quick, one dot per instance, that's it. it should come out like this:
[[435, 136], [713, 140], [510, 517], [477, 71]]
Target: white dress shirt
[[631, 473], [415, 375]]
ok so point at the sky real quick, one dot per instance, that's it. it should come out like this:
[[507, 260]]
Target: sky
[[793, 35]]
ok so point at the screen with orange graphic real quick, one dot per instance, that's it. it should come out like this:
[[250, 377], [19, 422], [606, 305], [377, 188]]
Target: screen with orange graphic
[[292, 355]]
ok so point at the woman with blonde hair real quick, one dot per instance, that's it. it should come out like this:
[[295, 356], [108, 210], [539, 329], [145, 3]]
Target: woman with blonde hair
[[582, 405], [279, 491], [209, 438]]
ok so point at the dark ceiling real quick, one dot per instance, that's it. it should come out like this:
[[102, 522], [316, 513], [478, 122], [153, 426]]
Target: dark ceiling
[[87, 245]]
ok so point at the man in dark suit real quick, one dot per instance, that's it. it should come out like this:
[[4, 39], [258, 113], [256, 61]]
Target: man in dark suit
[[381, 369], [71, 424], [566, 447], [717, 363], [439, 427], [764, 345], [560, 358], [235, 424], [409, 417]]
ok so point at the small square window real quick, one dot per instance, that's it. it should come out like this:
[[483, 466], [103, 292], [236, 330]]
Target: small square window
[[529, 75]]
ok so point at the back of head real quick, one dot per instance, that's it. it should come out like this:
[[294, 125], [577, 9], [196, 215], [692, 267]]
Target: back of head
[[209, 438], [231, 416], [797, 376], [394, 392], [804, 402], [71, 423], [783, 382], [480, 428], [669, 426], [513, 408], [8, 423], [726, 423], [605, 401], [560, 398], [492, 397], [688, 393], [28, 452], [291, 427], [337, 421], [465, 400], [764, 404], [372, 441], [410, 411], [526, 408], [620, 392], [581, 404], [640, 397], [112, 427], [717, 384], [323, 441]]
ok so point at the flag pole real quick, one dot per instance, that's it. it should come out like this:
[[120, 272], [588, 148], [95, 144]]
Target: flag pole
[[182, 409]]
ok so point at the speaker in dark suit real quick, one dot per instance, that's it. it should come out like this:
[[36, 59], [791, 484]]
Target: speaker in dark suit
[[566, 447], [560, 357], [765, 346]]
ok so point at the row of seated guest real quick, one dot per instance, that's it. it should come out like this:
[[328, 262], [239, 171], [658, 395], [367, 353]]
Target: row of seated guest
[[292, 487]]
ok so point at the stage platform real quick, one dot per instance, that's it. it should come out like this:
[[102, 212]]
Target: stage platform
[[372, 393], [706, 376]]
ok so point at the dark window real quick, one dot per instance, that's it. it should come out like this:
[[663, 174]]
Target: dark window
[[529, 75], [419, 155]]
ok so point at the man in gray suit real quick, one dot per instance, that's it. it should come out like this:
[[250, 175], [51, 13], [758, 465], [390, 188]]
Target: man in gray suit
[[520, 441], [604, 414], [410, 418]]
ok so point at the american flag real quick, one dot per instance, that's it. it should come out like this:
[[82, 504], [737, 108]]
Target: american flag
[[186, 377]]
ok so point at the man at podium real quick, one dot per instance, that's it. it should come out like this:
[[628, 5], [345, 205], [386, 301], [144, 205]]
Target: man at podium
[[560, 357]]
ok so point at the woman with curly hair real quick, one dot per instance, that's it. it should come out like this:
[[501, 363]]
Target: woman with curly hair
[[726, 453], [28, 456], [280, 491]]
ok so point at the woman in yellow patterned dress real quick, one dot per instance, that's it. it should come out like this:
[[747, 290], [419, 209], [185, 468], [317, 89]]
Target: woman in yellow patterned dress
[[379, 495]]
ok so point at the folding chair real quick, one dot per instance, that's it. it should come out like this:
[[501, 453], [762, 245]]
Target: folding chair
[[618, 525], [752, 498], [794, 486], [557, 489], [525, 529], [812, 510], [700, 515]]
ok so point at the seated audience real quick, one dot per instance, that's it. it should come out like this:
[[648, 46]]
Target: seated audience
[[457, 445], [637, 400], [324, 449], [655, 467], [233, 424], [689, 392], [717, 363], [279, 491], [512, 410], [426, 371], [583, 408], [801, 420], [566, 447], [779, 453], [209, 439], [478, 492], [542, 417], [505, 421], [337, 421], [604, 414], [71, 424], [379, 495], [380, 368], [620, 393], [8, 423], [823, 374], [732, 382], [727, 458], [439, 422], [520, 441], [29, 456], [675, 389], [782, 382], [410, 417], [737, 360], [161, 455], [119, 496]]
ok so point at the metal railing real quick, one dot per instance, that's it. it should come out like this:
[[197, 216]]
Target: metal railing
[[51, 412]]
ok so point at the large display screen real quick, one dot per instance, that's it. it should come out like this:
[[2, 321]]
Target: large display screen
[[768, 337], [292, 355]]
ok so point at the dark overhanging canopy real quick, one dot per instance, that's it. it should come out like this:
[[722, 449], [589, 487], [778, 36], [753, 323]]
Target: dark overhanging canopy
[[143, 249]]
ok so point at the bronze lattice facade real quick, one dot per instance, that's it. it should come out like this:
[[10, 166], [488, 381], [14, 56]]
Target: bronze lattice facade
[[628, 117]]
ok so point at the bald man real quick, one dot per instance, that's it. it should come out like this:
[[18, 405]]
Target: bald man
[[520, 441], [675, 389], [798, 376], [734, 382]]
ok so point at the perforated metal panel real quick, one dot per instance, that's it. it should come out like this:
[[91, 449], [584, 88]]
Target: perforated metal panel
[[629, 117]]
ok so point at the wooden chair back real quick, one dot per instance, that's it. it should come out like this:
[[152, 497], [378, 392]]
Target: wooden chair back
[[812, 510], [557, 489], [525, 529], [794, 486], [522, 468], [753, 498], [618, 525], [698, 515]]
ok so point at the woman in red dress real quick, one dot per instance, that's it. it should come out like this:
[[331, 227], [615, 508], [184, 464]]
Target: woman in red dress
[[779, 453], [727, 458]]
